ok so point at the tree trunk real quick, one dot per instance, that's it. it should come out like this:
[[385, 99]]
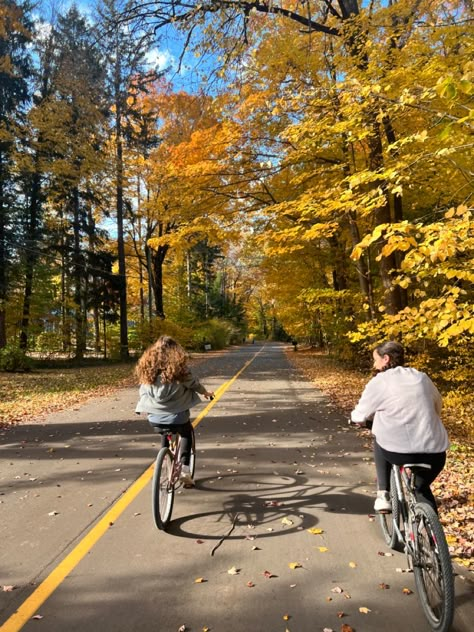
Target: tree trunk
[[3, 262], [388, 264], [120, 212], [31, 252], [157, 258], [78, 280], [397, 206]]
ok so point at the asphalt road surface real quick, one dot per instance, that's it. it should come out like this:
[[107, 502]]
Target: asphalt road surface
[[277, 536]]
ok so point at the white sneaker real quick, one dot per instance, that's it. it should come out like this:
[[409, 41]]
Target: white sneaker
[[185, 477], [383, 503]]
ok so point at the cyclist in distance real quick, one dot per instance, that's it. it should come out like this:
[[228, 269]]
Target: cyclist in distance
[[405, 407], [168, 390]]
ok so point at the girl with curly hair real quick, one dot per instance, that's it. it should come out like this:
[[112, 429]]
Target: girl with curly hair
[[168, 390]]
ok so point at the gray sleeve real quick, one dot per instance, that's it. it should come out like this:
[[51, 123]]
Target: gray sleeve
[[193, 384]]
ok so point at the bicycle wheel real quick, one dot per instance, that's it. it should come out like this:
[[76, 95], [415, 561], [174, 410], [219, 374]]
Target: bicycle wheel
[[192, 458], [433, 569], [387, 521], [163, 489]]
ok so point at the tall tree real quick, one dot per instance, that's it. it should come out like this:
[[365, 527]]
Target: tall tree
[[125, 51], [33, 168], [73, 118], [15, 34]]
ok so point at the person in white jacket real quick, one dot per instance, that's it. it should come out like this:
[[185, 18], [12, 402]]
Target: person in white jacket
[[168, 390], [405, 407]]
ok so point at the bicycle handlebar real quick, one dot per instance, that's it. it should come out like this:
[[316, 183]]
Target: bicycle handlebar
[[368, 423]]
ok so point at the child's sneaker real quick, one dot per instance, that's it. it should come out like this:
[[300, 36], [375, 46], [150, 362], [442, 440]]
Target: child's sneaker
[[383, 504], [185, 477]]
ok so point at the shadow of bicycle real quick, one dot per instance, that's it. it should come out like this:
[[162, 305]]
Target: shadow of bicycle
[[267, 505]]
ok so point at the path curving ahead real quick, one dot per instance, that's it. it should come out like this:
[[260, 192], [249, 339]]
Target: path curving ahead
[[276, 536]]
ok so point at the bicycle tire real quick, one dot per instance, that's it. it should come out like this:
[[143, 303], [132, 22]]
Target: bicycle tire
[[192, 457], [163, 489], [433, 570], [387, 520]]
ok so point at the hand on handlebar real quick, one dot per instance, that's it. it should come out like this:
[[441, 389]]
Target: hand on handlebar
[[367, 423]]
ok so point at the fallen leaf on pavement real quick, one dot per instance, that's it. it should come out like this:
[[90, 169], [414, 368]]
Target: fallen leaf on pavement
[[268, 574], [200, 580], [346, 628], [233, 571], [337, 589], [287, 521], [323, 549], [407, 591], [294, 565], [8, 588], [316, 531], [364, 610]]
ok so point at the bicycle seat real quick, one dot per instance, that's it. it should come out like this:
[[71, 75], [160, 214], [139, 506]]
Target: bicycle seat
[[164, 429], [412, 466]]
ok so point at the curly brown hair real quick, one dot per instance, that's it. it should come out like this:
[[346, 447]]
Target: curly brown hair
[[165, 358]]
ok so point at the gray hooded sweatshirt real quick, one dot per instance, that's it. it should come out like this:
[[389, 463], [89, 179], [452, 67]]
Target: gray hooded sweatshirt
[[164, 402]]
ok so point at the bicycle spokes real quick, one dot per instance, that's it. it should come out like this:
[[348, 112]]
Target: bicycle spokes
[[427, 561]]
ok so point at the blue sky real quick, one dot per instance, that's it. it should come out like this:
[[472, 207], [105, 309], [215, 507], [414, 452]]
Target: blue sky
[[164, 55]]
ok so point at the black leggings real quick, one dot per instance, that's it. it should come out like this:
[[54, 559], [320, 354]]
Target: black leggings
[[185, 430], [385, 459]]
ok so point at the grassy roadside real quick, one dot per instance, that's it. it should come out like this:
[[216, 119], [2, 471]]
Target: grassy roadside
[[453, 488], [29, 397]]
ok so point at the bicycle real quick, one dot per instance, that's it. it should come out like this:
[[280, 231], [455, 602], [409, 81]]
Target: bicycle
[[415, 525], [166, 475]]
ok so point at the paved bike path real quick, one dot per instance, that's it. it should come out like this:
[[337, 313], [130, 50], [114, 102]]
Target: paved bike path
[[274, 461]]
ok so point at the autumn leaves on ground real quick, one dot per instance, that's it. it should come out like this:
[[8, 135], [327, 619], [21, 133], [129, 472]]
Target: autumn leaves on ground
[[28, 397]]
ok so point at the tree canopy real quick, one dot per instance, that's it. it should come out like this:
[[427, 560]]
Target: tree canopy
[[317, 186]]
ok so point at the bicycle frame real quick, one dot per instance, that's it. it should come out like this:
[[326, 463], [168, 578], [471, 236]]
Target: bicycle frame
[[424, 544], [166, 476], [404, 479], [173, 443]]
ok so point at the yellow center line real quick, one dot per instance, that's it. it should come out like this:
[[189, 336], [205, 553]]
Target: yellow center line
[[57, 576]]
